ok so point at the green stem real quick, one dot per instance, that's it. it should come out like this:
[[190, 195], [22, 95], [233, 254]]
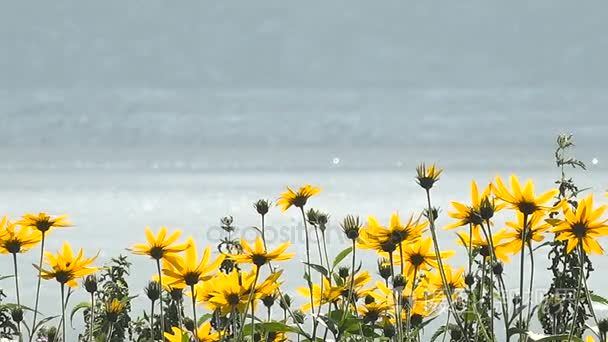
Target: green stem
[[249, 302], [152, 321], [578, 294], [63, 312], [521, 274], [38, 286], [312, 303], [160, 284], [401, 255], [194, 318], [446, 288], [531, 286], [92, 319], [110, 330], [17, 291], [447, 324], [264, 233]]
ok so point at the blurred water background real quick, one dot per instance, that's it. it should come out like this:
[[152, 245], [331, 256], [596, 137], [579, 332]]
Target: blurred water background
[[126, 115]]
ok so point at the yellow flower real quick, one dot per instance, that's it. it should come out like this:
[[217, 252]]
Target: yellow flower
[[581, 227], [421, 256], [177, 335], [161, 246], [469, 214], [328, 295], [371, 312], [229, 292], [15, 239], [297, 199], [274, 336], [476, 240], [522, 200], [187, 269], [204, 333], [361, 279], [454, 279], [426, 177], [536, 227], [114, 308], [258, 255], [386, 239], [65, 267], [43, 222]]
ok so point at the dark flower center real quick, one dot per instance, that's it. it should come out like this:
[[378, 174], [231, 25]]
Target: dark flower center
[[156, 252], [300, 201], [527, 208], [259, 259], [484, 251], [13, 246], [417, 259], [416, 320], [43, 225], [579, 230], [388, 247], [398, 236], [475, 218], [191, 278], [233, 299], [63, 276]]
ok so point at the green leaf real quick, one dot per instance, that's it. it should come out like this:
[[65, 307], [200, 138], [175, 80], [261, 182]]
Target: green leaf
[[598, 299], [42, 322], [341, 256], [553, 338], [78, 307], [203, 318], [442, 330], [276, 327], [318, 268]]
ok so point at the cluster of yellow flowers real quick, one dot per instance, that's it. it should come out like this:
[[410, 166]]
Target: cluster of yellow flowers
[[414, 276]]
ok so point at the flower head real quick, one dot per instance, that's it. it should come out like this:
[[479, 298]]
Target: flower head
[[160, 246], [420, 256], [258, 254], [114, 307], [426, 177], [65, 267], [228, 292], [297, 198], [535, 229], [582, 227], [14, 239], [386, 239], [43, 222], [188, 269], [524, 200], [471, 214]]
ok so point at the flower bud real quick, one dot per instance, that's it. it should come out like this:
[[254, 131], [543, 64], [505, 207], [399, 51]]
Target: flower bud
[[153, 290], [269, 300], [262, 206], [469, 279], [384, 268], [398, 282], [285, 303], [426, 177], [90, 283], [351, 226], [17, 315], [498, 268], [299, 316], [343, 272]]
